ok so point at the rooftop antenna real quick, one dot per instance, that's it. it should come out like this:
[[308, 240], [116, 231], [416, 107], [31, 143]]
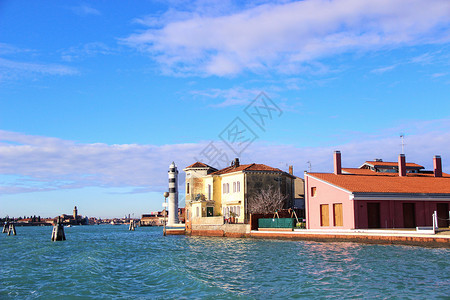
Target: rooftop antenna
[[309, 165], [402, 136]]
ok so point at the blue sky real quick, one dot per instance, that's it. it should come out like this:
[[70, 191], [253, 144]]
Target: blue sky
[[97, 98]]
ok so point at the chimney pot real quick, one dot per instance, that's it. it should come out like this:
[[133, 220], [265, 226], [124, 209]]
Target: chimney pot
[[337, 163], [402, 165], [437, 162], [291, 170], [236, 162]]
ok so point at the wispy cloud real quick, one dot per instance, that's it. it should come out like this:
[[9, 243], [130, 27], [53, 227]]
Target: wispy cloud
[[14, 69], [227, 97], [287, 36], [85, 10], [36, 163], [384, 69], [87, 50], [11, 49], [437, 75]]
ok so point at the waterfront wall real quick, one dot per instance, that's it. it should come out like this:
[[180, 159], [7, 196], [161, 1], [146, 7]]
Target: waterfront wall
[[432, 241], [208, 221], [225, 230]]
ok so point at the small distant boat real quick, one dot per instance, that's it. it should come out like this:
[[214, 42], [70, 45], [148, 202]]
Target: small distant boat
[[69, 225], [114, 223]]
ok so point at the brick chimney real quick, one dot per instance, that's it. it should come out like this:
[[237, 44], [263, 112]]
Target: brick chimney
[[437, 166], [291, 170], [337, 163], [401, 165], [236, 162]]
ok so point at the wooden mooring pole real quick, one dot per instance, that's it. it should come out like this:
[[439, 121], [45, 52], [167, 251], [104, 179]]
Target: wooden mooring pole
[[58, 231], [132, 225], [12, 229], [5, 227]]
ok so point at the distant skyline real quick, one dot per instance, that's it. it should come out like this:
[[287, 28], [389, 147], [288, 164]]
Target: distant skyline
[[97, 98]]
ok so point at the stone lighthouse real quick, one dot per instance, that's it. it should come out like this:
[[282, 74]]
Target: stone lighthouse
[[173, 195]]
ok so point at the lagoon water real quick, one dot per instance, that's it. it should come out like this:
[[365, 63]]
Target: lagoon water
[[104, 262]]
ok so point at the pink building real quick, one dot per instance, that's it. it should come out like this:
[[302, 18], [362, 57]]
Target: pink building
[[377, 195]]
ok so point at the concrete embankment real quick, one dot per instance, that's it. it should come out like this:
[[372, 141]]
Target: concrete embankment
[[362, 236], [379, 237], [225, 230]]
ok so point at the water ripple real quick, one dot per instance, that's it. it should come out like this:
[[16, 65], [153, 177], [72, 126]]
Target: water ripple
[[103, 262]]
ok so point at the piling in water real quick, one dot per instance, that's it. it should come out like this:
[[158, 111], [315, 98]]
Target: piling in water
[[132, 225], [11, 229], [58, 231], [5, 227]]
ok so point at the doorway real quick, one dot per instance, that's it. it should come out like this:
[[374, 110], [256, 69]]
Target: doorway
[[409, 215], [209, 211], [443, 215], [373, 215]]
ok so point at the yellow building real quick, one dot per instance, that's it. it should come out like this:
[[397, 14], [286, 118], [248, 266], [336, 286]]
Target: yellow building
[[211, 192]]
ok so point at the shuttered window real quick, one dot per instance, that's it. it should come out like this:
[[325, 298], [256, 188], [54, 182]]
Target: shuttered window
[[337, 213], [324, 215]]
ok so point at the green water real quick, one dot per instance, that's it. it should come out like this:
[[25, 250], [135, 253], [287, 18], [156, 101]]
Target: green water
[[105, 262]]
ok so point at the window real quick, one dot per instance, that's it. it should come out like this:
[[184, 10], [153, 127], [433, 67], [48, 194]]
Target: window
[[234, 187], [209, 192], [228, 187], [238, 186], [187, 188], [313, 191], [324, 215], [223, 188], [238, 211], [198, 211], [337, 213]]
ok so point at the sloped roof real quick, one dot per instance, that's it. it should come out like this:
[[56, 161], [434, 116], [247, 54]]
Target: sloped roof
[[412, 183], [358, 171], [391, 164], [248, 167], [200, 165]]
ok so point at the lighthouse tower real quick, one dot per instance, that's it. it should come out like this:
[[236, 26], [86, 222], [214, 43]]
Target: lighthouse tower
[[173, 195]]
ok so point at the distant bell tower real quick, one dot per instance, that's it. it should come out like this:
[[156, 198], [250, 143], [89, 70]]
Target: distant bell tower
[[75, 213], [173, 195]]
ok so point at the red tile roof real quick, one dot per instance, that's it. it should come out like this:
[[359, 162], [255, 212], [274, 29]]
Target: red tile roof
[[391, 164], [414, 183], [249, 167], [199, 165]]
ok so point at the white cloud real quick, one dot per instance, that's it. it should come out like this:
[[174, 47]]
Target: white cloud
[[85, 10], [285, 36], [35, 163], [384, 69], [87, 50], [14, 69], [10, 49], [228, 97], [437, 75]]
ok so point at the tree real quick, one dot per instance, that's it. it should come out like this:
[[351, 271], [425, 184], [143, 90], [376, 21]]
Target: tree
[[266, 201]]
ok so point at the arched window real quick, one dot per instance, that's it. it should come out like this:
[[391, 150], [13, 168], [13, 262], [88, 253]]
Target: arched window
[[238, 211], [228, 187], [238, 186], [187, 188], [234, 187], [198, 211]]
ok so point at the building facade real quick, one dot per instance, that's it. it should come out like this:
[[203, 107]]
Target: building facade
[[377, 195], [226, 192]]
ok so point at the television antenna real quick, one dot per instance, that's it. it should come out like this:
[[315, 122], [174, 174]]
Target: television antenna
[[309, 165], [402, 137]]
